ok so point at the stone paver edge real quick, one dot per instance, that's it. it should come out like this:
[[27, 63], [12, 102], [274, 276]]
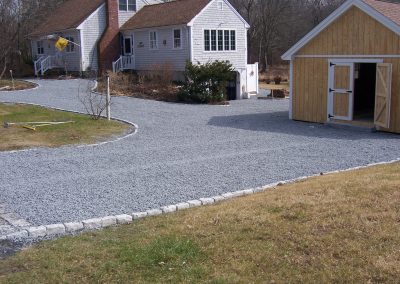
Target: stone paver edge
[[63, 229]]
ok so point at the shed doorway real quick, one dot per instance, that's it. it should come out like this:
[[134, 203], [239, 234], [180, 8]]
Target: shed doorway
[[364, 92], [360, 92]]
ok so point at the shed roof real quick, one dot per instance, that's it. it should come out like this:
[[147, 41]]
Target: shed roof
[[385, 12], [165, 14], [68, 15], [386, 8]]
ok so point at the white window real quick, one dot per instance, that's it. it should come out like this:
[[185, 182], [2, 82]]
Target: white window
[[127, 5], [207, 40], [177, 38], [70, 47], [40, 48], [153, 40], [219, 40], [220, 5]]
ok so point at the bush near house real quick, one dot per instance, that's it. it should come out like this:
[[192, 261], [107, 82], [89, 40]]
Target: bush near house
[[206, 83]]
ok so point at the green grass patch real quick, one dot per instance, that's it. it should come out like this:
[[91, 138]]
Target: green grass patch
[[341, 228], [83, 130]]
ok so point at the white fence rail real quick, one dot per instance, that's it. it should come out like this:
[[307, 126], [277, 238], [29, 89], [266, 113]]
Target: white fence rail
[[124, 63]]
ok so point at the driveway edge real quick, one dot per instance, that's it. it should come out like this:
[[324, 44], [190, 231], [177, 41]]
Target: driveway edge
[[125, 136], [35, 233]]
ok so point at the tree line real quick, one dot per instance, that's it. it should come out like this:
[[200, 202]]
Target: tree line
[[275, 26]]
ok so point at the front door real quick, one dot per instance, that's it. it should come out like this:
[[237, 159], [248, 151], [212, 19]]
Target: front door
[[341, 88], [127, 45]]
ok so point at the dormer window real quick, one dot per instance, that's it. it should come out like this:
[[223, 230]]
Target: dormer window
[[127, 5]]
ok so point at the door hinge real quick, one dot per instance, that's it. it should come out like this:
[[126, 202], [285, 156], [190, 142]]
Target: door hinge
[[330, 116], [350, 92], [332, 64], [331, 90]]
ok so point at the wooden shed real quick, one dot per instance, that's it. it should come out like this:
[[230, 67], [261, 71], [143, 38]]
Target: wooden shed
[[347, 69]]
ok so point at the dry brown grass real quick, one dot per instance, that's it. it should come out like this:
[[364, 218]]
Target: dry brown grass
[[156, 85], [342, 228], [84, 130], [7, 85]]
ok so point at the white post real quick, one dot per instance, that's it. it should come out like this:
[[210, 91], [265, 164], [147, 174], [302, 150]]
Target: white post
[[108, 99]]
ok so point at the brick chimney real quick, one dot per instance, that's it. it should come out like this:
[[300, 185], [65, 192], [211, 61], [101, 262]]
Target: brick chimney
[[109, 44]]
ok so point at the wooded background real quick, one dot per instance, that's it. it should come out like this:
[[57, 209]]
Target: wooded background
[[275, 26]]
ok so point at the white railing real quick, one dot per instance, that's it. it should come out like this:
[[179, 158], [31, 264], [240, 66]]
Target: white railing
[[45, 63], [37, 64], [124, 62]]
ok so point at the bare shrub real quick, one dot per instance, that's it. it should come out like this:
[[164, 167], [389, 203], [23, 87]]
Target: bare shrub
[[94, 102]]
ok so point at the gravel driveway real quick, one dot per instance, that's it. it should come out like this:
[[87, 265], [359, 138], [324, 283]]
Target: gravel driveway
[[180, 152]]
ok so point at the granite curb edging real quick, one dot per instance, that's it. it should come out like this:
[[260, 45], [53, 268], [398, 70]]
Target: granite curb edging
[[71, 228]]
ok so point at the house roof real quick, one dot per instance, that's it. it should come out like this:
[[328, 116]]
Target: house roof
[[385, 12], [68, 15], [166, 14]]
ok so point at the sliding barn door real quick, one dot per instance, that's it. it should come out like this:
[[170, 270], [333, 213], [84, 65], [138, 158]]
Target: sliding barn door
[[383, 94], [341, 85]]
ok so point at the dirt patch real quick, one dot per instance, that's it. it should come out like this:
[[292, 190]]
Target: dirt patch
[[17, 85]]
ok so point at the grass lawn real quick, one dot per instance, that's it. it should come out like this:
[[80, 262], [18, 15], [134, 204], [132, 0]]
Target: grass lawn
[[84, 130], [342, 228], [6, 85]]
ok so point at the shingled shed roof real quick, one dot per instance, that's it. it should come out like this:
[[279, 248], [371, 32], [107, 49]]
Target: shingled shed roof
[[166, 14], [389, 9], [68, 15]]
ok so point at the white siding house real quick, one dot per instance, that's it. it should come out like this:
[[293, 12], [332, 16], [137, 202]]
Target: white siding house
[[199, 31], [83, 22]]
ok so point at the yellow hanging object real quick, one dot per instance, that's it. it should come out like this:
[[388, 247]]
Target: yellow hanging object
[[61, 43]]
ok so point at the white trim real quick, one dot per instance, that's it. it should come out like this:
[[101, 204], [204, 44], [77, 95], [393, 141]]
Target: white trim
[[82, 50], [190, 39], [223, 41], [350, 56], [247, 26], [335, 15], [90, 16], [156, 33], [355, 60], [173, 38], [291, 89]]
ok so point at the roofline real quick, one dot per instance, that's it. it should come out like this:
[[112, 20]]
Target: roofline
[[78, 27], [154, 27], [335, 15], [247, 26], [41, 36]]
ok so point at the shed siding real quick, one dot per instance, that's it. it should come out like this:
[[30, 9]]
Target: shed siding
[[146, 59], [355, 33], [212, 18], [92, 30]]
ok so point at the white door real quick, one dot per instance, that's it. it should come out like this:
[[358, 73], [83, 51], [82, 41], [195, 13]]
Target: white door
[[128, 45], [252, 78], [341, 91]]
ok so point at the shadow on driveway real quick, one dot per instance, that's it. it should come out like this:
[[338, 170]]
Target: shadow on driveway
[[279, 122]]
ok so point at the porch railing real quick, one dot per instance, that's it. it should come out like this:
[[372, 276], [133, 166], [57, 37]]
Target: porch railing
[[124, 62]]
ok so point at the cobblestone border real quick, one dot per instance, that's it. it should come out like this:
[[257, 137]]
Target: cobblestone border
[[125, 136], [63, 229]]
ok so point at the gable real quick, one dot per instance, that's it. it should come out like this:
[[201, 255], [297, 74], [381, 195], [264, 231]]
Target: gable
[[373, 8], [353, 33]]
